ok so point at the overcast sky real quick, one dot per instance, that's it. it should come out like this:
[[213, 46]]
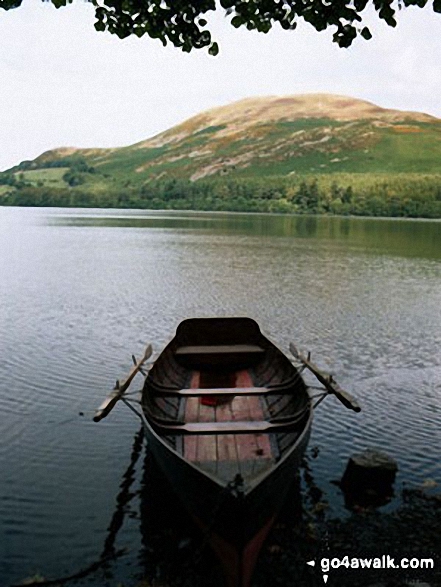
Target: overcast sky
[[64, 84]]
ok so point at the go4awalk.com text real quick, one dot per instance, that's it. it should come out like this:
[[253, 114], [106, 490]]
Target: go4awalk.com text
[[384, 562]]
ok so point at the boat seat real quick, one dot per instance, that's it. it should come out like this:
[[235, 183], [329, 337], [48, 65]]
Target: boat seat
[[221, 391], [236, 427], [219, 349], [219, 356]]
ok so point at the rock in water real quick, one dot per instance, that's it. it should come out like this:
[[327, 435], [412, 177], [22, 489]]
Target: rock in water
[[369, 478]]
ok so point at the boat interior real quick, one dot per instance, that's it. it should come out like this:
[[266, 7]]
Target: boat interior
[[230, 395]]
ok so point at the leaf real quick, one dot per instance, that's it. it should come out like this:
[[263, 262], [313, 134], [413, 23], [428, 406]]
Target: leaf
[[387, 13], [390, 20], [360, 5], [287, 25], [264, 27], [237, 21], [214, 49], [100, 26], [366, 33], [437, 5], [202, 22]]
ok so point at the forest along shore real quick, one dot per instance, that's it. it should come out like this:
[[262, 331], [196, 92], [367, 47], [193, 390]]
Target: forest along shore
[[404, 195]]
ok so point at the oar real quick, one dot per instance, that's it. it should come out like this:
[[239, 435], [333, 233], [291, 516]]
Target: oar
[[326, 380], [120, 389]]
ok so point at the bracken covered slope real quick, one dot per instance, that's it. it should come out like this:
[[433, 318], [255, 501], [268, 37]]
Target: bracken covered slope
[[311, 133]]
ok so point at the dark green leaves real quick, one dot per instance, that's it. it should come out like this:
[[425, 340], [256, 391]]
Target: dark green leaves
[[100, 26], [182, 22], [8, 4], [237, 21], [214, 49], [360, 5], [345, 35], [366, 33], [60, 3]]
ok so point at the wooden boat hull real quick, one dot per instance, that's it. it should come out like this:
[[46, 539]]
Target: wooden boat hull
[[234, 511], [234, 526]]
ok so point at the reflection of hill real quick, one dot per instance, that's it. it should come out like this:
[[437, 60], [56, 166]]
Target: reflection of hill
[[404, 238]]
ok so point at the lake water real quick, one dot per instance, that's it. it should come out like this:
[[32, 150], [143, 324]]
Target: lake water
[[81, 290]]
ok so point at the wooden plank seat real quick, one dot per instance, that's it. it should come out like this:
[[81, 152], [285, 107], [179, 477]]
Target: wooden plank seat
[[219, 349], [225, 454], [275, 388], [237, 427], [218, 391]]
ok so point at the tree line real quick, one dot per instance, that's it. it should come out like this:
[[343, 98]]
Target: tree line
[[408, 195]]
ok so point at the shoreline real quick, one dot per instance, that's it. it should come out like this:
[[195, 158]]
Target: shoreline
[[190, 212]]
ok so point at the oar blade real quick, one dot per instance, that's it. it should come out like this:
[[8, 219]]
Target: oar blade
[[107, 406]]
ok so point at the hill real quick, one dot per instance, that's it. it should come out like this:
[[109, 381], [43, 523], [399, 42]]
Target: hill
[[269, 138], [276, 136]]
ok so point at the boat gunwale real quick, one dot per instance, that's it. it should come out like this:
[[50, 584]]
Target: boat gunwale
[[254, 482]]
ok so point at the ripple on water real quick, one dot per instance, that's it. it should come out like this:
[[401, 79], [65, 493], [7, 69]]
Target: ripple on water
[[81, 299]]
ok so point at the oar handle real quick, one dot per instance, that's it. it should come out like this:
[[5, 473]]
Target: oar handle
[[135, 369], [109, 403], [326, 380]]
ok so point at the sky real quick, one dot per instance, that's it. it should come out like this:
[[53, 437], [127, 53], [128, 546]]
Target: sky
[[64, 84]]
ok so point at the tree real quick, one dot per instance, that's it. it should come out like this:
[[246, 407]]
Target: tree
[[182, 22]]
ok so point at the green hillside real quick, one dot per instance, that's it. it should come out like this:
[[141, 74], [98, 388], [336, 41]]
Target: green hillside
[[334, 141]]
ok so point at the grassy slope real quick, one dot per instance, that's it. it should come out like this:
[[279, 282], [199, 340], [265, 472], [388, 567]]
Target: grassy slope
[[350, 150], [52, 177], [260, 138]]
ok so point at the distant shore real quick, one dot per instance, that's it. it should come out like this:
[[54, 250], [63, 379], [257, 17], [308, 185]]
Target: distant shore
[[404, 195]]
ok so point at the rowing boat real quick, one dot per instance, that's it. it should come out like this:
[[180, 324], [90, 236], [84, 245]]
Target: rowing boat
[[227, 417]]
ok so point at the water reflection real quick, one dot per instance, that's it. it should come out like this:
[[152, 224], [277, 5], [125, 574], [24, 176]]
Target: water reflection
[[408, 238], [175, 553], [83, 289]]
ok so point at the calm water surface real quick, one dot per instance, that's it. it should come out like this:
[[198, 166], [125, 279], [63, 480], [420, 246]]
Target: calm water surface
[[81, 290]]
